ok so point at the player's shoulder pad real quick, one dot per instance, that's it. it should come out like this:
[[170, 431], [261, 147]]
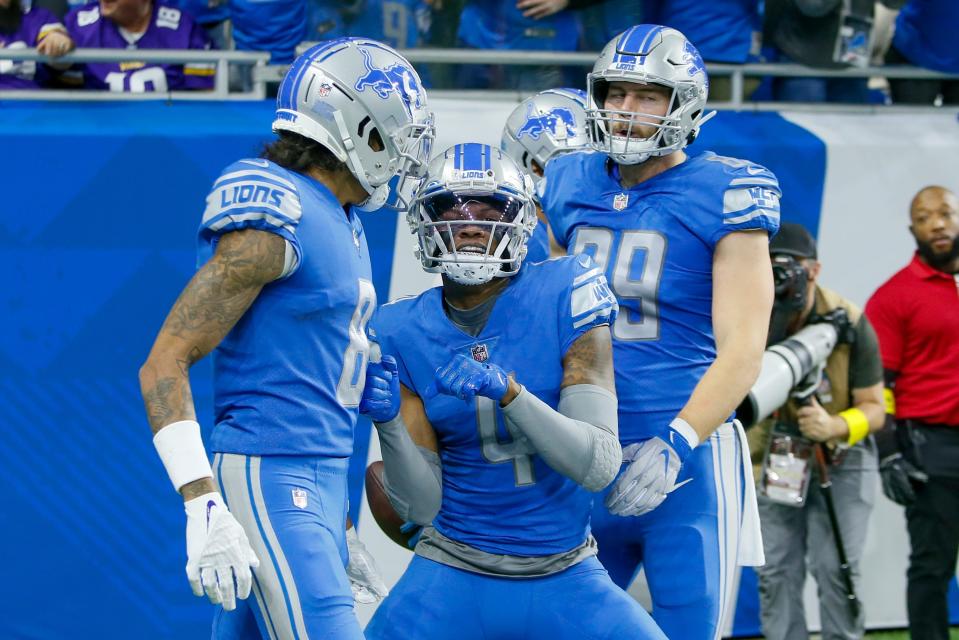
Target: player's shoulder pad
[[253, 193], [591, 301], [394, 316], [749, 190]]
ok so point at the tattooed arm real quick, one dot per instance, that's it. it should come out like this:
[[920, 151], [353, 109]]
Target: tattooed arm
[[580, 438], [207, 309]]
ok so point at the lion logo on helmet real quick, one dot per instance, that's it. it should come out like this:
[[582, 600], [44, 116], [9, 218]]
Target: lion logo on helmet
[[396, 78]]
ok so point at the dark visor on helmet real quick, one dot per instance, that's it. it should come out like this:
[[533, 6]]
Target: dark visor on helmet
[[447, 207]]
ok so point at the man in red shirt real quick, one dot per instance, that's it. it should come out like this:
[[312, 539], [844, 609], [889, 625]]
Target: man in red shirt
[[916, 315]]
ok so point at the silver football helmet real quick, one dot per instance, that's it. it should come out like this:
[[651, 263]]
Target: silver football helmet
[[473, 214], [545, 125], [365, 103], [648, 54]]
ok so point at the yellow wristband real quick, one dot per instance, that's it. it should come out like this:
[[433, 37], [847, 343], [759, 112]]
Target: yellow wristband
[[890, 400], [858, 424]]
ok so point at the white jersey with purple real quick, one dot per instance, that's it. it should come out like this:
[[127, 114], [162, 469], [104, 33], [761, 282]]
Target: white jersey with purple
[[35, 25], [289, 376], [169, 28]]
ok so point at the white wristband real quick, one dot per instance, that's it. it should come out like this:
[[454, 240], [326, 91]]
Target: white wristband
[[181, 449], [685, 430]]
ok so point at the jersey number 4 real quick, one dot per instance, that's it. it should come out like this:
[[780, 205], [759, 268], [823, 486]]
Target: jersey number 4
[[634, 276], [517, 449]]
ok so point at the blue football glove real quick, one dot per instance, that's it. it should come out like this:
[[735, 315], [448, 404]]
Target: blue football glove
[[653, 467], [465, 378], [381, 395]]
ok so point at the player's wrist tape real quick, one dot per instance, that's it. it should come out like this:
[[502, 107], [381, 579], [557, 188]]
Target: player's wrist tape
[[686, 430], [858, 424], [181, 449]]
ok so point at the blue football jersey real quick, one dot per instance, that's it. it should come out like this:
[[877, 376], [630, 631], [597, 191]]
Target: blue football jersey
[[498, 495], [499, 24], [289, 376], [537, 247], [721, 30], [655, 241], [276, 26]]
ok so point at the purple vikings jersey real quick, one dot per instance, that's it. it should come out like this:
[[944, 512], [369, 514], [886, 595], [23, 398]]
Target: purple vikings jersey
[[289, 376], [498, 495], [498, 24], [29, 74], [655, 242], [170, 28]]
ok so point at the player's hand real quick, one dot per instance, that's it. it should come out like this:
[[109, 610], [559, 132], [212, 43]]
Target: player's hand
[[653, 467], [381, 395], [219, 557], [55, 44], [899, 479], [465, 378], [816, 424], [537, 9], [365, 581]]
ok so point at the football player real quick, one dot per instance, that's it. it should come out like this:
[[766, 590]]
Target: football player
[[683, 240], [543, 126], [496, 415], [283, 297]]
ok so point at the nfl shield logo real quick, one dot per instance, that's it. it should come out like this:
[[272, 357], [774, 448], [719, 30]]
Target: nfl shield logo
[[620, 201], [299, 498], [324, 89], [479, 352]]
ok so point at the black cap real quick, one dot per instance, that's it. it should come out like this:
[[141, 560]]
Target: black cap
[[793, 239]]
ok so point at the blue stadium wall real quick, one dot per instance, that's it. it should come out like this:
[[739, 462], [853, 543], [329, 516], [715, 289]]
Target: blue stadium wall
[[100, 208]]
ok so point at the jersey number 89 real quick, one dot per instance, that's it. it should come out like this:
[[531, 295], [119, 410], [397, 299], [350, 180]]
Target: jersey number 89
[[635, 274]]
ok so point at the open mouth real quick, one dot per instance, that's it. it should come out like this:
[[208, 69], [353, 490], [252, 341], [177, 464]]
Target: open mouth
[[474, 249]]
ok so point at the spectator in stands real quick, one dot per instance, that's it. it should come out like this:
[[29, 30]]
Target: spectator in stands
[[535, 25], [212, 15], [808, 32], [21, 29], [916, 314], [276, 26], [840, 415], [726, 31], [604, 21], [926, 37], [401, 24], [131, 25]]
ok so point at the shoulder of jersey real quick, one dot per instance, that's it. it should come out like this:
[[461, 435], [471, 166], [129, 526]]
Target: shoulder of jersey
[[255, 187], [391, 317], [734, 172], [564, 271], [569, 161]]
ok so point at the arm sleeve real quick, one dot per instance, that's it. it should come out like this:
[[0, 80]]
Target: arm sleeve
[[252, 194], [589, 302], [580, 440], [865, 367], [749, 205], [412, 474], [886, 322]]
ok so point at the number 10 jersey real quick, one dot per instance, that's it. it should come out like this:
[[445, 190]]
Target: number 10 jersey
[[287, 379], [655, 241]]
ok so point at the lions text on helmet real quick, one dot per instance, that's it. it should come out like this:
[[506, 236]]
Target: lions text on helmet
[[473, 215], [366, 104], [646, 95]]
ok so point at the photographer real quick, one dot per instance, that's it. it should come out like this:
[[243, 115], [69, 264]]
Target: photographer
[[916, 312], [846, 406]]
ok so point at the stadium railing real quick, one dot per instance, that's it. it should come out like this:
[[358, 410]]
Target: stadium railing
[[264, 74]]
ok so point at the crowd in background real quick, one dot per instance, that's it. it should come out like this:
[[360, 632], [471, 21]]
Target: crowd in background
[[825, 34]]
